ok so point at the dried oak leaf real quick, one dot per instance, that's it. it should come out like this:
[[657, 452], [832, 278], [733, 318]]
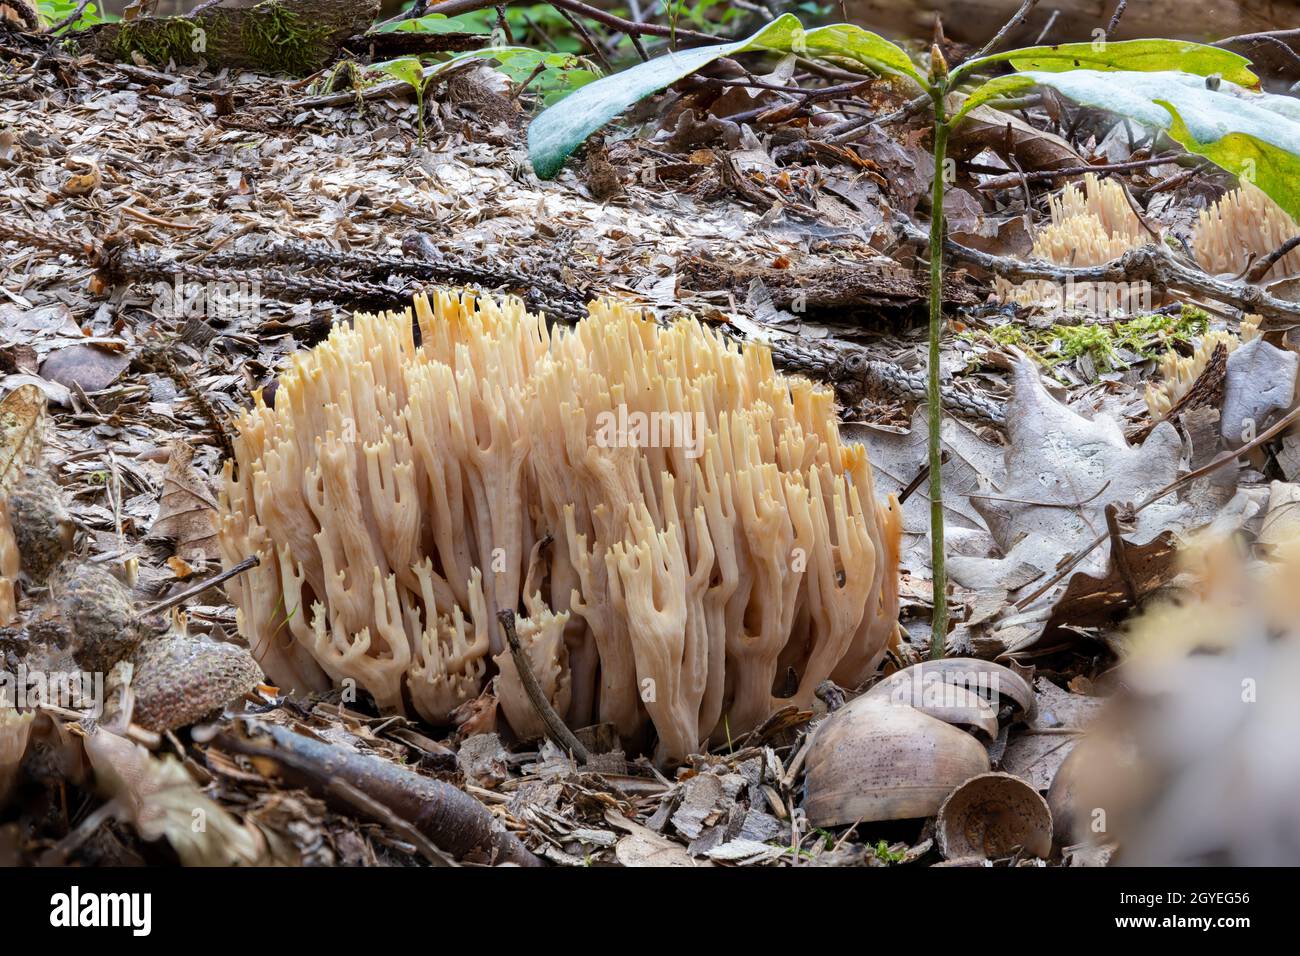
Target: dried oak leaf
[[187, 510], [1063, 469], [160, 800], [22, 425]]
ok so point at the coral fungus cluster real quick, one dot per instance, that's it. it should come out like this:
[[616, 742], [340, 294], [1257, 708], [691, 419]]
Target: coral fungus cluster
[[1194, 762], [1179, 373], [1096, 223], [1242, 227], [1089, 226], [686, 539]]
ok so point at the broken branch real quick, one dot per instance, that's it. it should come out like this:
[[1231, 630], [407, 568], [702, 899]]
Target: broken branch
[[453, 820], [559, 731]]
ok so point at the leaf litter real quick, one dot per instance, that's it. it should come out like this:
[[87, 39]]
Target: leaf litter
[[725, 225]]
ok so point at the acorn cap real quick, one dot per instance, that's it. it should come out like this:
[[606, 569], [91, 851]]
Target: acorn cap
[[180, 680], [992, 815]]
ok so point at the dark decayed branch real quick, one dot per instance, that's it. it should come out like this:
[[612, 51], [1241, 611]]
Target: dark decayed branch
[[1149, 263], [1260, 268], [453, 820], [855, 377], [122, 262], [297, 37], [557, 729]]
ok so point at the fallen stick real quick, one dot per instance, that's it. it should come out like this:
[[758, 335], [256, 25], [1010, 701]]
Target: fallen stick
[[1150, 263], [557, 729], [451, 819]]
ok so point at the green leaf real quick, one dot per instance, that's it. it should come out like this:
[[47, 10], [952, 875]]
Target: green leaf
[[863, 46], [562, 128], [995, 88], [402, 68], [1143, 56], [1275, 171], [433, 23], [1254, 135], [408, 69]]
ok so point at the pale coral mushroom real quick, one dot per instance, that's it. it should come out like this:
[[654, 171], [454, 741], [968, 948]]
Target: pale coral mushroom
[[1179, 373], [1089, 225], [677, 526], [10, 567], [1243, 226]]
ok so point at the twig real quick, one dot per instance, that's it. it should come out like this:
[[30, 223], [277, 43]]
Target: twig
[[1152, 263], [1051, 22], [182, 381], [1226, 458], [1115, 17], [586, 36], [71, 18], [919, 480], [416, 10], [848, 132], [1119, 554], [1041, 175], [1016, 19], [559, 731], [199, 588], [1044, 504], [632, 28], [1261, 267]]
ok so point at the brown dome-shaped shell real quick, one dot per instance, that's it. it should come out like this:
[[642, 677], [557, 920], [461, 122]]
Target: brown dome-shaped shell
[[877, 760]]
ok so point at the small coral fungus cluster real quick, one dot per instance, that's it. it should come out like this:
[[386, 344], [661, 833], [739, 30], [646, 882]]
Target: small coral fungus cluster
[[1242, 227], [1194, 761], [1089, 226], [687, 541], [1179, 373], [1095, 223]]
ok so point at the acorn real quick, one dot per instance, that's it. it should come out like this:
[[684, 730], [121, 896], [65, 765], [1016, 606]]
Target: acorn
[[41, 524], [98, 613], [180, 680]]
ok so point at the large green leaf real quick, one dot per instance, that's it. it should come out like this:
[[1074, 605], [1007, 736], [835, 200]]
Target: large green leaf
[[1144, 56], [1276, 171], [1254, 135], [854, 43], [559, 130]]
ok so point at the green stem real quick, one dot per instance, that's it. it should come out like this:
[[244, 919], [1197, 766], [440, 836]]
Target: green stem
[[940, 619]]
